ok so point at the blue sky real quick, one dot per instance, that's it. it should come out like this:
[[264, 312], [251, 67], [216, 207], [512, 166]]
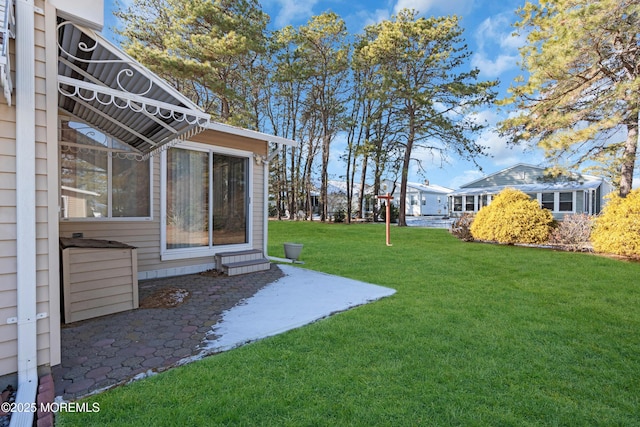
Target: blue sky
[[488, 26]]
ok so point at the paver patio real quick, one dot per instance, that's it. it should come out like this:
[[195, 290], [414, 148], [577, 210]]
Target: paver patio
[[110, 350]]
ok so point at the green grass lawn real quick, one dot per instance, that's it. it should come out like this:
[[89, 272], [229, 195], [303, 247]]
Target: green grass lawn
[[476, 334]]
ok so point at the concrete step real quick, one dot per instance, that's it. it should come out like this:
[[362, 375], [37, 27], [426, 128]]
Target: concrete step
[[244, 267], [241, 262], [237, 256]]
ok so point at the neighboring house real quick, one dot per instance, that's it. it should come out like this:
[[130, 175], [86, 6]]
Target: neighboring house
[[421, 199], [337, 197], [94, 144], [571, 194]]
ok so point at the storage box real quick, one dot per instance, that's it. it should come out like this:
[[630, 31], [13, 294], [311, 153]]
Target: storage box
[[99, 277]]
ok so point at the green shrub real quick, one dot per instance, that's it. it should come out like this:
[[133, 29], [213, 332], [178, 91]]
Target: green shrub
[[617, 229], [340, 215], [512, 217], [461, 227], [573, 232], [394, 213]]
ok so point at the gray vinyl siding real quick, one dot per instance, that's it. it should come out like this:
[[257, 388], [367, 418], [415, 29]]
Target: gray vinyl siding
[[519, 174]]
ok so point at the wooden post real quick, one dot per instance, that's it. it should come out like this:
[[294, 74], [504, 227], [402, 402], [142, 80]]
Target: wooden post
[[388, 198]]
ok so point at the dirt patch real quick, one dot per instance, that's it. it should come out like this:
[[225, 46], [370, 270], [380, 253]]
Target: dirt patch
[[212, 273], [166, 298]]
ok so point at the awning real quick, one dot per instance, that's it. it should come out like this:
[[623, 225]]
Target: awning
[[106, 88]]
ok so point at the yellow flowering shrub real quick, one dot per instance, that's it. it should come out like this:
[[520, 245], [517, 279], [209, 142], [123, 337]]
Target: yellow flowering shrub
[[512, 217], [617, 229]]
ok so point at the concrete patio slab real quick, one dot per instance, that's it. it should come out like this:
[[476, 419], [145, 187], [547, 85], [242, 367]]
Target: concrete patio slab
[[299, 298]]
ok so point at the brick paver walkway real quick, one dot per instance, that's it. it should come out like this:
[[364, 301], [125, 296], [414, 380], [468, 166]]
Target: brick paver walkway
[[110, 350]]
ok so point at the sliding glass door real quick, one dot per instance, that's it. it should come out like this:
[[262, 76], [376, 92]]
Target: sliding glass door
[[187, 198], [207, 199], [229, 200]]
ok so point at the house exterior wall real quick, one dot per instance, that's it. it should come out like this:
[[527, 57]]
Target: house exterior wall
[[435, 204], [518, 174], [586, 193], [8, 238], [145, 234], [423, 200], [46, 240]]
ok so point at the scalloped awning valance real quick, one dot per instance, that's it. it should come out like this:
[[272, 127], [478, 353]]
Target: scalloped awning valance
[[103, 86]]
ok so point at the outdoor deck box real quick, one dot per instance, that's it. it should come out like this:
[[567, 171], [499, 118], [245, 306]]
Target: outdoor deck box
[[99, 277]]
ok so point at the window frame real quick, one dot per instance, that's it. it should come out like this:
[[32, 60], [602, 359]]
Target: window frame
[[211, 249], [553, 201], [457, 204], [108, 151], [560, 202], [469, 201]]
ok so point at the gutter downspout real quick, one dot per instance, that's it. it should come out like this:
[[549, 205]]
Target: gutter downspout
[[26, 210], [265, 228]]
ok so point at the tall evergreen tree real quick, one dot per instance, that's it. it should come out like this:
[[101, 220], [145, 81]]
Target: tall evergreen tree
[[579, 99], [324, 54], [205, 48], [421, 62]]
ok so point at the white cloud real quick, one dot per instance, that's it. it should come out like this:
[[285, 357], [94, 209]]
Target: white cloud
[[446, 7], [465, 177], [291, 12], [493, 68], [500, 153], [366, 17], [497, 46]]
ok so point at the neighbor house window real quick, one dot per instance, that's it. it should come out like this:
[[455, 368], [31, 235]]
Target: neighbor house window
[[101, 177], [457, 203], [547, 201], [566, 202], [469, 205], [484, 200], [207, 199]]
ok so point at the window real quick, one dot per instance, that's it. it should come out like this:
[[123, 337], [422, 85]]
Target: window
[[207, 199], [566, 202], [547, 201], [484, 200], [457, 203], [469, 203], [100, 177]]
